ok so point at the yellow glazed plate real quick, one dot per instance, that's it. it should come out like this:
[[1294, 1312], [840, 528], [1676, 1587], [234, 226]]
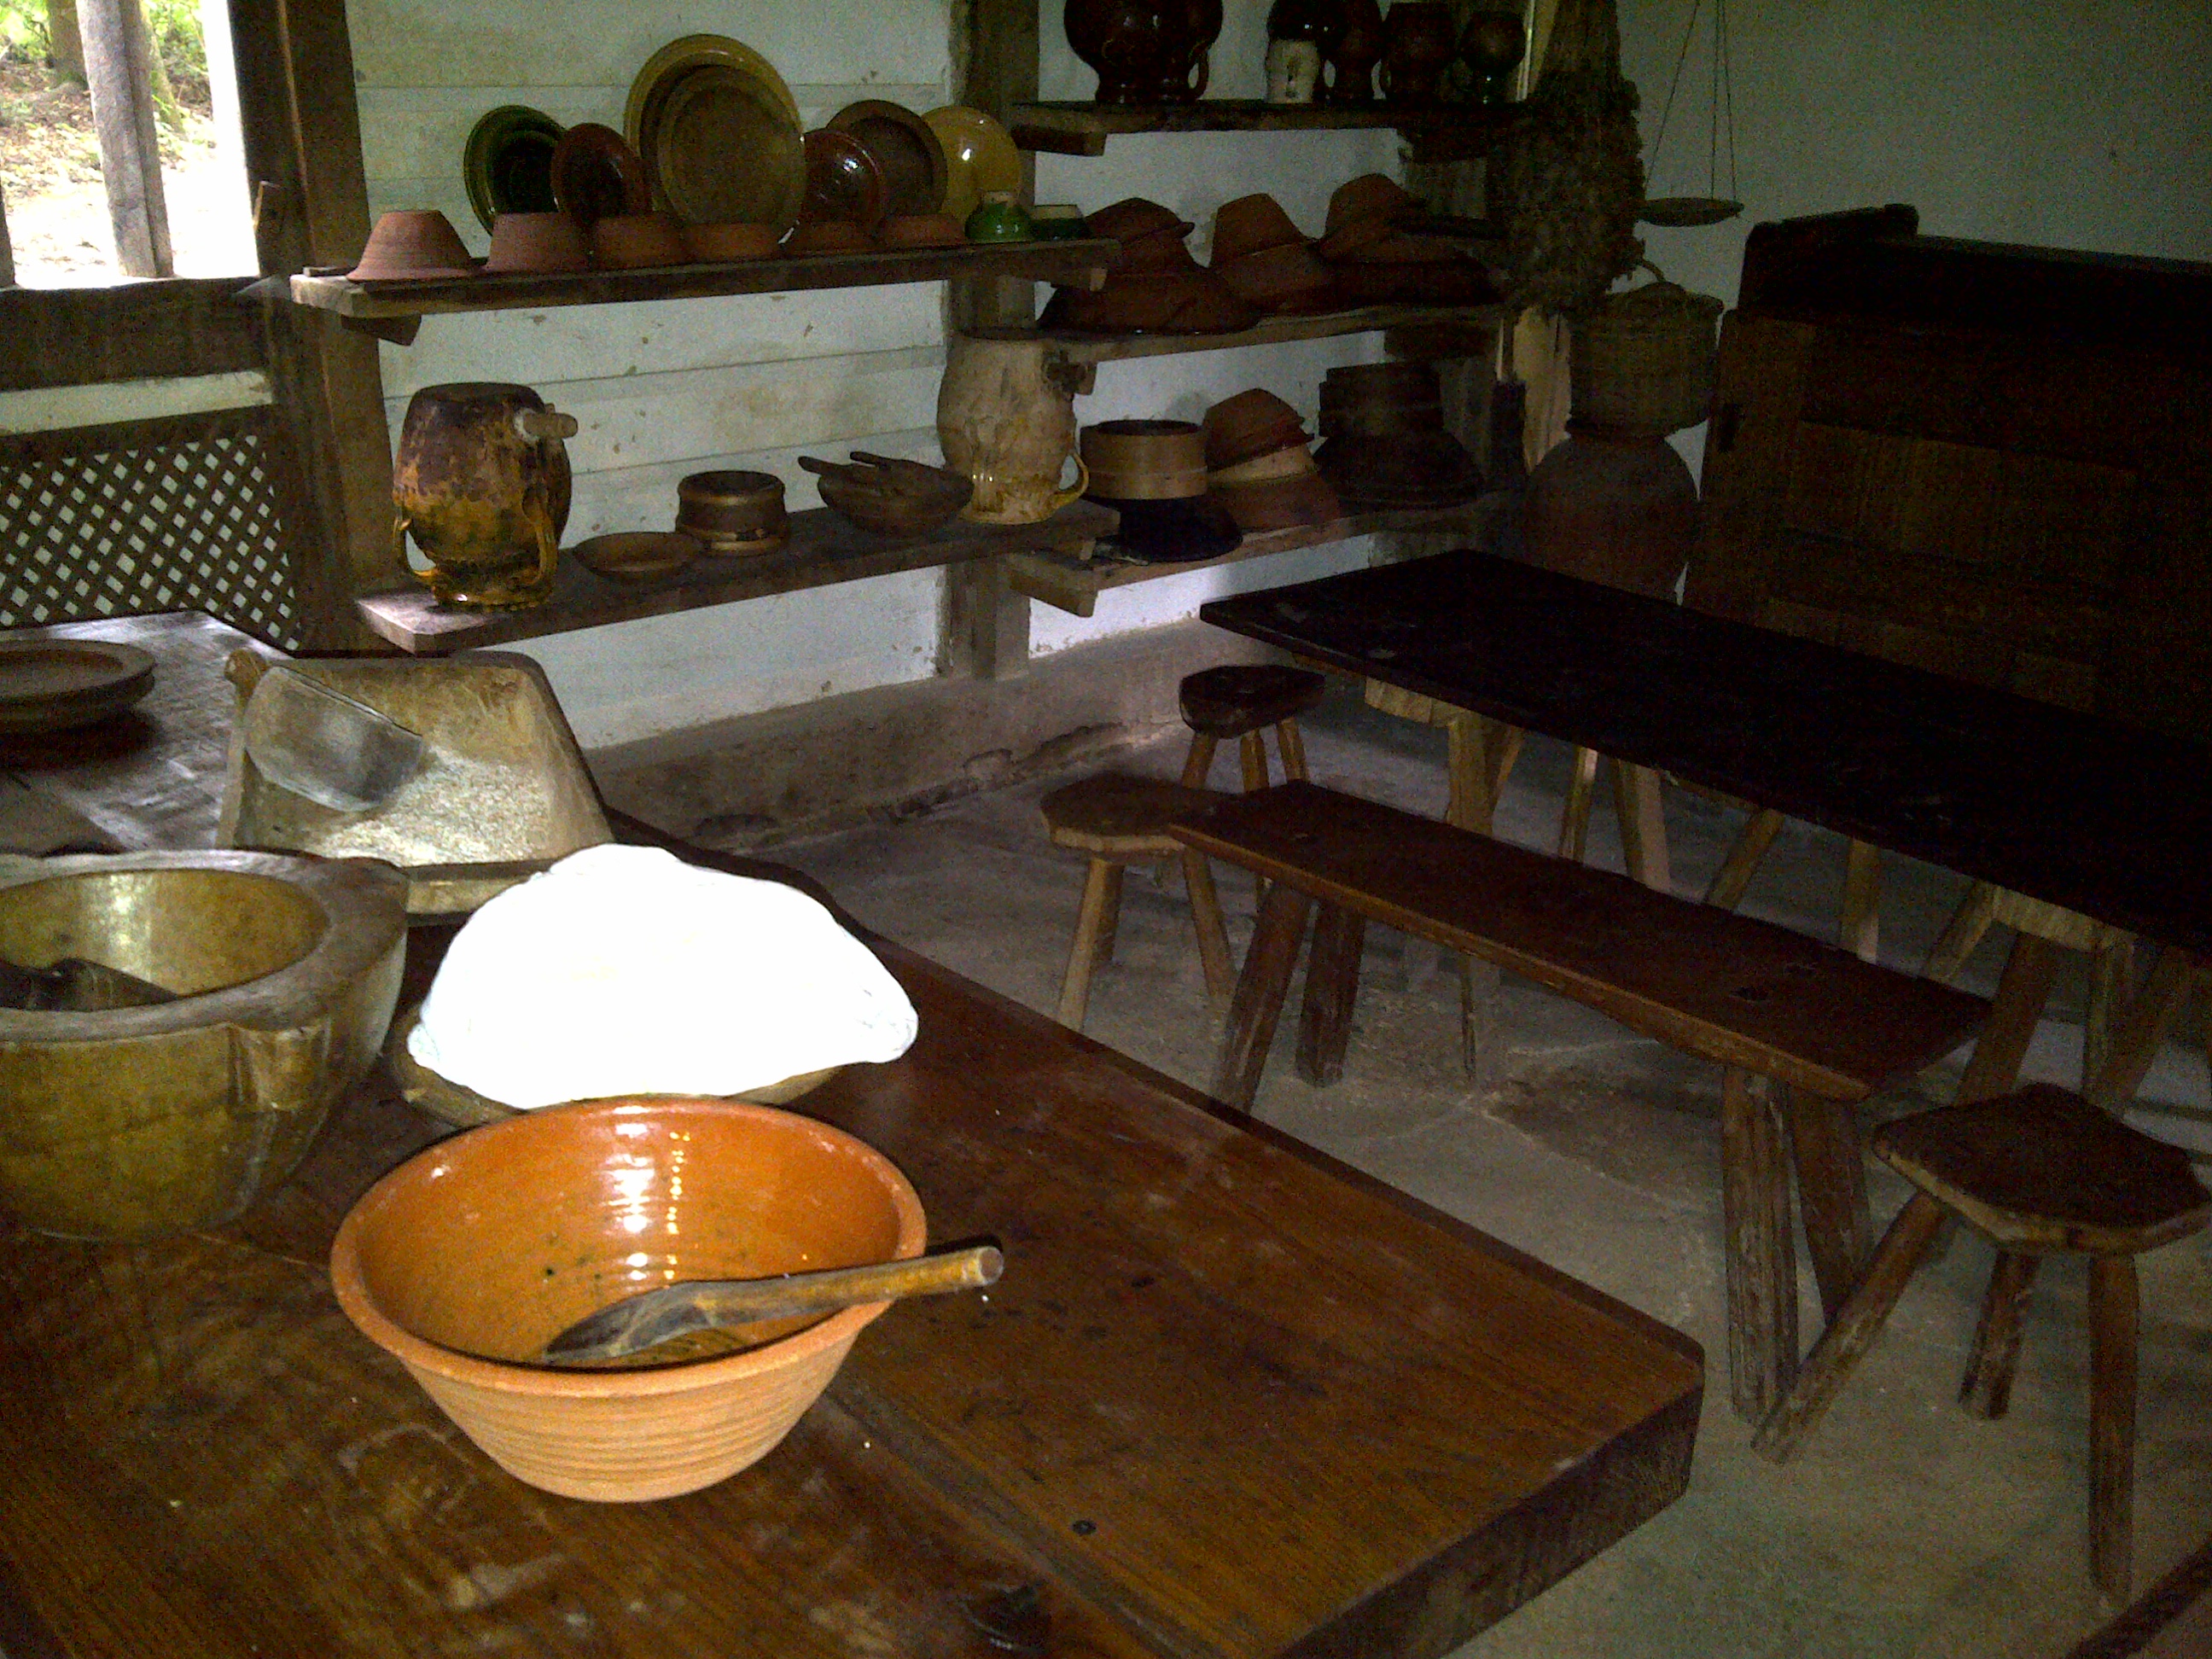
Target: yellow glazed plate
[[649, 93], [979, 155], [724, 153]]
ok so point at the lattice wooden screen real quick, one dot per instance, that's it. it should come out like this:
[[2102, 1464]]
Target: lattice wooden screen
[[183, 512]]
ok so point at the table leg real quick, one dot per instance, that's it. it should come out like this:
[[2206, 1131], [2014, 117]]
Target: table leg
[[1643, 826], [2139, 1028], [1831, 1192], [1862, 924], [1762, 1261], [2021, 993], [1258, 1002], [1743, 859], [1574, 817]]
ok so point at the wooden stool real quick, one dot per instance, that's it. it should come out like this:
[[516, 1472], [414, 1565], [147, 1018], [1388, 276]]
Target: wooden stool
[[1119, 821], [2038, 1173], [1240, 701]]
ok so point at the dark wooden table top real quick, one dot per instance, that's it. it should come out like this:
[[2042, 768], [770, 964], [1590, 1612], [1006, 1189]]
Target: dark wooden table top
[[1230, 1399], [2083, 812]]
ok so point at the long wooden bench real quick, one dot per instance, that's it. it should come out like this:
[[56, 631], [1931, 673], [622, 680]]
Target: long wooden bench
[[1804, 1030]]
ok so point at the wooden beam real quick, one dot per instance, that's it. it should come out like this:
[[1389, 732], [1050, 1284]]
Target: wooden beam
[[7, 248], [118, 61]]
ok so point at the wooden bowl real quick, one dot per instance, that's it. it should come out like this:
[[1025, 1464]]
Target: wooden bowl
[[466, 1258], [637, 555], [733, 512], [889, 496], [1145, 460]]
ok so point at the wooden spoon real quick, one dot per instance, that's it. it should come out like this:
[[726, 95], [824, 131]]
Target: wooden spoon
[[660, 1315]]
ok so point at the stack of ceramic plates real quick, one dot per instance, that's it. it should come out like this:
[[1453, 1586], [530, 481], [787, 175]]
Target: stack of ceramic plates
[[719, 133]]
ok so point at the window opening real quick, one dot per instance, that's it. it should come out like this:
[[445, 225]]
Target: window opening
[[63, 197]]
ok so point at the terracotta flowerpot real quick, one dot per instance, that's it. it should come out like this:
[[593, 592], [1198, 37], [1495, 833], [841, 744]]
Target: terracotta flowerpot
[[480, 481], [1006, 417], [1613, 506]]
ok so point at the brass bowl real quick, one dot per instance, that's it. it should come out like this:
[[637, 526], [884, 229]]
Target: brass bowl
[[733, 512], [129, 1123], [465, 1108]]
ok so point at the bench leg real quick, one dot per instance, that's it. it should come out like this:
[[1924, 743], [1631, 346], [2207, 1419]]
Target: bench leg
[[1831, 1192], [1480, 983], [1986, 1389], [1206, 917], [1096, 924], [1200, 762], [2023, 990], [1643, 827], [1467, 769], [1862, 924], [1762, 1261], [1842, 1346], [1743, 859], [2113, 1308], [1260, 989], [1332, 988]]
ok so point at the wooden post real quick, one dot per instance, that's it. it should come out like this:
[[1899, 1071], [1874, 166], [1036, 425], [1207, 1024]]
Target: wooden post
[[117, 59], [7, 248]]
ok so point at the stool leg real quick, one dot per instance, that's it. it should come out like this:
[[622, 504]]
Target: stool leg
[[1743, 859], [2139, 1028], [1762, 1261], [1206, 917], [1824, 1140], [2112, 1318], [1845, 1342], [1574, 818], [2023, 990], [1260, 989], [1096, 924], [1200, 762], [1292, 748], [1962, 932], [1252, 750], [1862, 924], [1986, 1389], [1332, 988]]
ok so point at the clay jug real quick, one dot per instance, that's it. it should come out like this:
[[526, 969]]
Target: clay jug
[[1191, 67], [1005, 416], [1418, 42], [1137, 46], [481, 480], [1354, 50], [1612, 505]]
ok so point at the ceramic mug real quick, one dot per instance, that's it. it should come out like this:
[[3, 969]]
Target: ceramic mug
[[1006, 416]]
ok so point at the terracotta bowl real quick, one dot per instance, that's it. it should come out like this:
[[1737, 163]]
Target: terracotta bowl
[[1279, 503], [1286, 281], [537, 241], [1145, 460], [1193, 301], [466, 1258], [1248, 225], [921, 230], [638, 241], [828, 236], [724, 244], [733, 512], [1292, 461], [413, 245], [1250, 423], [1371, 195]]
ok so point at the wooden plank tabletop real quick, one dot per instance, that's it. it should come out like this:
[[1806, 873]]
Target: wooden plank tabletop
[[2084, 813], [1230, 1400]]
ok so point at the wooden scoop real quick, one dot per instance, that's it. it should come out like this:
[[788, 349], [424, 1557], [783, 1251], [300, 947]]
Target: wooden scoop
[[660, 1315]]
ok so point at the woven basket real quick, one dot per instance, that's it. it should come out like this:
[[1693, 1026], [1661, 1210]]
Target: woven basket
[[1642, 362]]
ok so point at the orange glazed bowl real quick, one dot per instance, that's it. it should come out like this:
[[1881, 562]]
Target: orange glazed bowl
[[465, 1260]]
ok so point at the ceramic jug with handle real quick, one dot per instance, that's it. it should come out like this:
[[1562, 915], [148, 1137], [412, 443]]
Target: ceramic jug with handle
[[482, 481], [1006, 416]]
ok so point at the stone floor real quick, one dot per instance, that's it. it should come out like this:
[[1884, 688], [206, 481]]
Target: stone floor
[[1904, 1528]]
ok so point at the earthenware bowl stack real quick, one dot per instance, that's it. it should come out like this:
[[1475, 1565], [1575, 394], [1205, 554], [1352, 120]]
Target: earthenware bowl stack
[[1376, 250], [1263, 255], [1384, 443], [1154, 286], [1259, 468]]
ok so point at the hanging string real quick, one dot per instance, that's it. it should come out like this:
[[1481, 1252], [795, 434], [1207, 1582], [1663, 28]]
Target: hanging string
[[1713, 98], [1727, 89], [1681, 57]]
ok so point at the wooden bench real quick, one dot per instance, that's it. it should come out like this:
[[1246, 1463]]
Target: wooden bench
[[1805, 1031]]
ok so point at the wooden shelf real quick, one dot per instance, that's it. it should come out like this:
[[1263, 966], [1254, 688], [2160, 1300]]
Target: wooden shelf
[[1071, 582], [1082, 348], [1440, 132], [1069, 264], [824, 549]]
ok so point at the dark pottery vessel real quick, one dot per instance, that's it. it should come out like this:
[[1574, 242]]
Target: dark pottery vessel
[[1418, 42]]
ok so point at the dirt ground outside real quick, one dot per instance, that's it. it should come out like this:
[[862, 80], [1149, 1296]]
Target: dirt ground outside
[[58, 210]]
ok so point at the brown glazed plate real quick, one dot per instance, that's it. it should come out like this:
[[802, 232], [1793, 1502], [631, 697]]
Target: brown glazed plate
[[724, 151], [842, 180], [50, 685], [597, 176], [905, 150]]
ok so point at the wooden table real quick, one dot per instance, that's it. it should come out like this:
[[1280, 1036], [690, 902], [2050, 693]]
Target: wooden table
[[2105, 819], [1230, 1399]]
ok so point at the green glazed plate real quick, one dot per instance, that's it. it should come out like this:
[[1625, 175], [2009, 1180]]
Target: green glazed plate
[[508, 162]]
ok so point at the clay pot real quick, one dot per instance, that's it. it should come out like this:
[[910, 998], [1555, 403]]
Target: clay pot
[[638, 241], [726, 244], [733, 512], [1615, 507], [1006, 417], [413, 245], [1250, 424], [464, 1261], [480, 481], [1418, 42], [1144, 51], [1492, 45], [1187, 78], [536, 241], [1248, 225], [1353, 52], [1145, 460]]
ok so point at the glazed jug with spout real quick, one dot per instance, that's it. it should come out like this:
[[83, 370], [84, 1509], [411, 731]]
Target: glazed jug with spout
[[1006, 416], [480, 481]]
